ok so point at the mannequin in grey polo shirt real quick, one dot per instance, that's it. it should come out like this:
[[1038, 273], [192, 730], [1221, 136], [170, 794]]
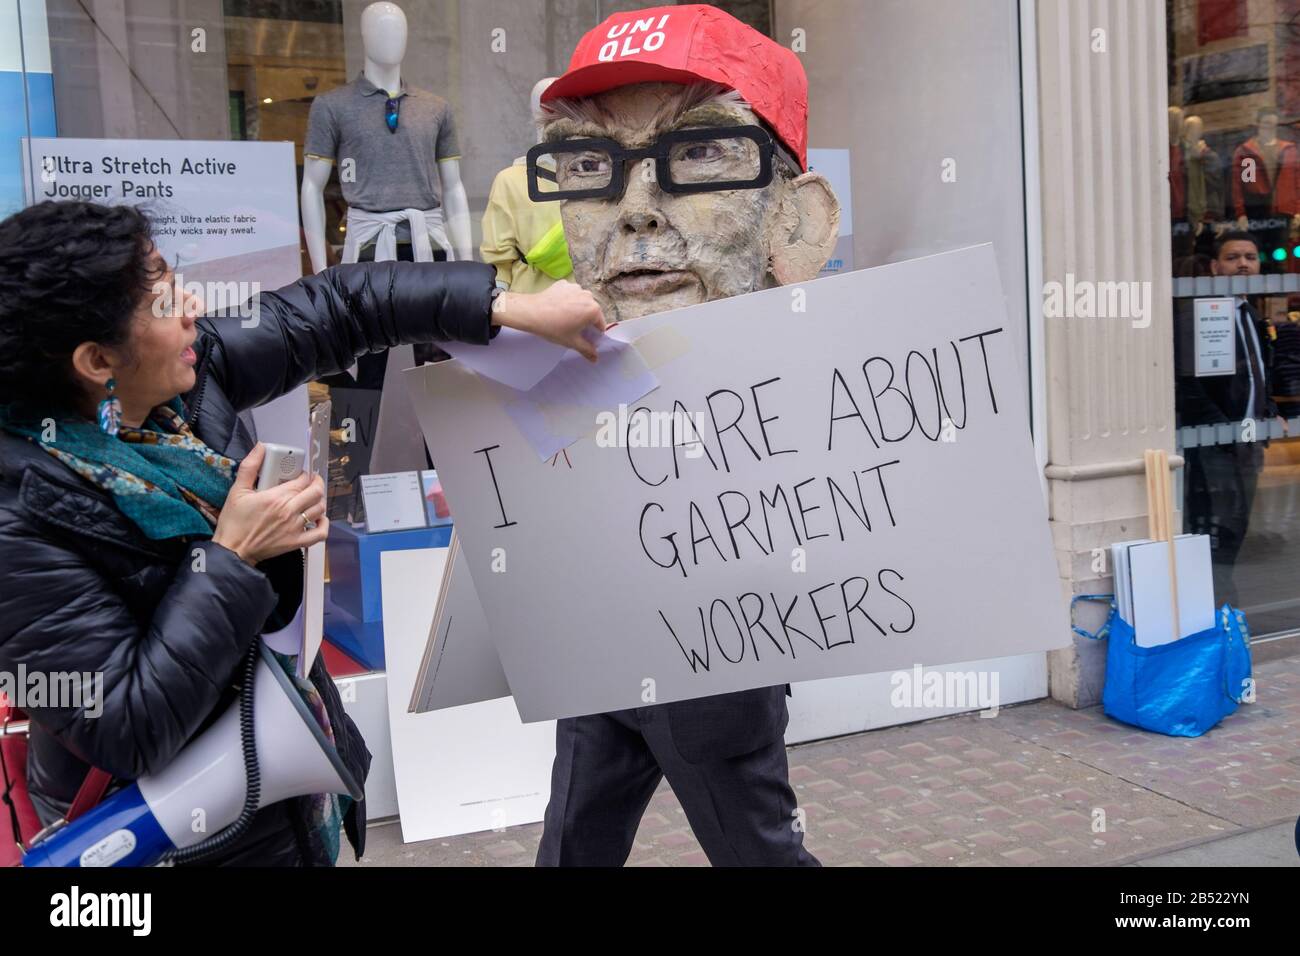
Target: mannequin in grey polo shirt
[[411, 162]]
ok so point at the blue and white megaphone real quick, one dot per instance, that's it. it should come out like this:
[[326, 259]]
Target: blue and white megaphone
[[209, 782]]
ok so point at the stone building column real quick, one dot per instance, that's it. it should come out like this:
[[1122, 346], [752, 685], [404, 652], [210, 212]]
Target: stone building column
[[1104, 192]]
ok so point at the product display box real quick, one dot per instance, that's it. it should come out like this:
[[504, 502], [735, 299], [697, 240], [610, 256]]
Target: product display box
[[353, 603]]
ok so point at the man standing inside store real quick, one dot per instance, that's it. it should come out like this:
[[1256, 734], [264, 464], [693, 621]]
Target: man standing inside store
[[1220, 479], [677, 141]]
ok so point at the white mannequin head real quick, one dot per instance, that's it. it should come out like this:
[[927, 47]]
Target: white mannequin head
[[383, 33], [1266, 125], [535, 104], [1175, 123], [1193, 130]]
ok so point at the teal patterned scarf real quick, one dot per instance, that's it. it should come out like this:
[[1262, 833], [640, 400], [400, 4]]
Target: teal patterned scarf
[[161, 476], [169, 483]]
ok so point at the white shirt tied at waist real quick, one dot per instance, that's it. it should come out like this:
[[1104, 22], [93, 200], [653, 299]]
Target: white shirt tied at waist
[[426, 229]]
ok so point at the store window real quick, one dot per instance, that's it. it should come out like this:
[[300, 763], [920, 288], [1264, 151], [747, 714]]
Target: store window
[[1234, 176], [209, 113], [202, 112]]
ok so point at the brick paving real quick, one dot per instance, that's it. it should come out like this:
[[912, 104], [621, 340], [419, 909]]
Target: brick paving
[[1039, 784]]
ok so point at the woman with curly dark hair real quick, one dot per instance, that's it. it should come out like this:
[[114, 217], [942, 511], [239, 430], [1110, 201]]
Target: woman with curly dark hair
[[122, 458]]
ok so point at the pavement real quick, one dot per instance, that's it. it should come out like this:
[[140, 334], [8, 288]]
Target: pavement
[[1040, 784]]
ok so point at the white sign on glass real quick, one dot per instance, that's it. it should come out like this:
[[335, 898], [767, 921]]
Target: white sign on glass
[[1214, 336]]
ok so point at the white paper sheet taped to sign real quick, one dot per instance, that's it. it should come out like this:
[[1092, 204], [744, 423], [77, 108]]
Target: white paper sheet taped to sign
[[828, 482]]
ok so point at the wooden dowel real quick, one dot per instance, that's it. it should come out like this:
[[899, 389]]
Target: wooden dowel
[[1167, 522], [1148, 458]]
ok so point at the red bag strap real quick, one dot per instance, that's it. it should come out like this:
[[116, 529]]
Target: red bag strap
[[6, 716], [89, 793]]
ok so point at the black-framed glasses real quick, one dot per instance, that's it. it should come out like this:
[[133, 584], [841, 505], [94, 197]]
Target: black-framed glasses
[[686, 161], [391, 107]]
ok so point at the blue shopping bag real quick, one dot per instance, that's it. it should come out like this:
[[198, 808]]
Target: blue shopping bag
[[1182, 688]]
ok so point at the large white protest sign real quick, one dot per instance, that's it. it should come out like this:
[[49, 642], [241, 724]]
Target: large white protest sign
[[834, 478]]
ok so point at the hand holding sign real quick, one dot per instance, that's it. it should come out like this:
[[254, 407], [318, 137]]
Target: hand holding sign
[[564, 313]]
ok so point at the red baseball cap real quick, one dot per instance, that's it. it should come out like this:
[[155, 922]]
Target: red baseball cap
[[686, 44]]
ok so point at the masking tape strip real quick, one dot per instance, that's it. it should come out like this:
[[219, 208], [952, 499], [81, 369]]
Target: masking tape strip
[[661, 346]]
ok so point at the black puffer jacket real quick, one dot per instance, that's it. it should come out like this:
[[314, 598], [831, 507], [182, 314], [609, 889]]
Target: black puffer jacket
[[82, 589]]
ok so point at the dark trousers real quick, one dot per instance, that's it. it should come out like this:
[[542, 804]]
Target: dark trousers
[[1220, 483], [607, 766]]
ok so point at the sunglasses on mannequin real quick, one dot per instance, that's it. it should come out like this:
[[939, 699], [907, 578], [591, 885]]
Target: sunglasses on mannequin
[[391, 107]]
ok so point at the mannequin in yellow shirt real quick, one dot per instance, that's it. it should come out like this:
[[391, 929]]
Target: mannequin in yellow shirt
[[524, 240]]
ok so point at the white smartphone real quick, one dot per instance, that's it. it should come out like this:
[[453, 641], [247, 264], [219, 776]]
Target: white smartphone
[[282, 463]]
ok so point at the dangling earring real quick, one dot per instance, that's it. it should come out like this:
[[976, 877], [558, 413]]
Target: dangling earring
[[110, 411]]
